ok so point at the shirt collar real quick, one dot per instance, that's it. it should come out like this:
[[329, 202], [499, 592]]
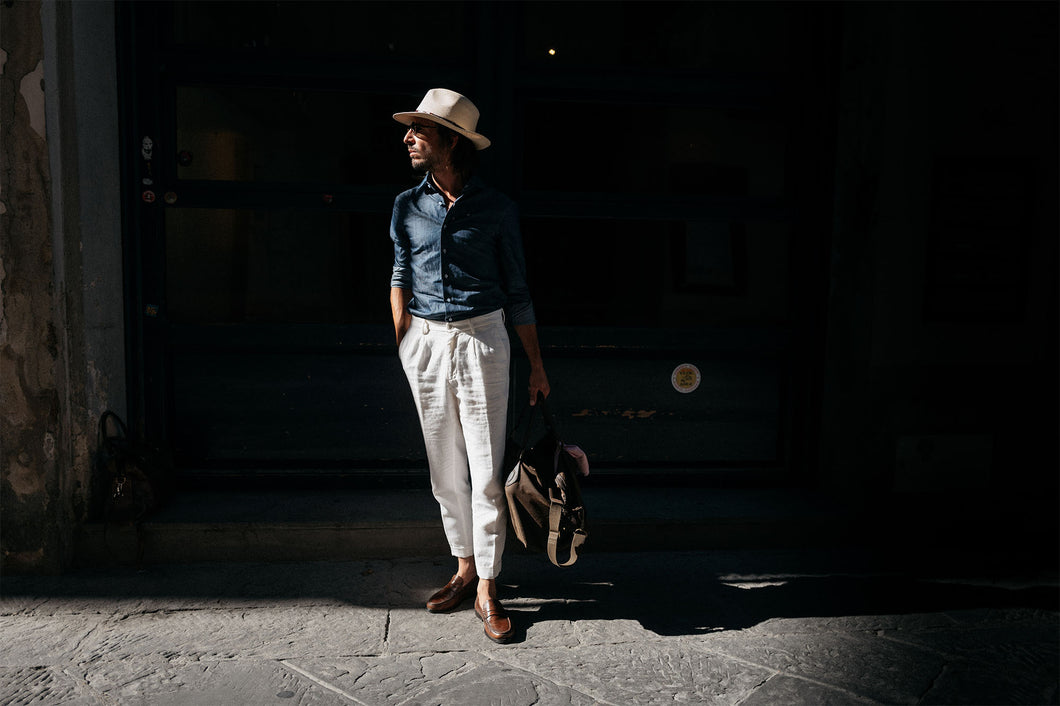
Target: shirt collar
[[427, 185]]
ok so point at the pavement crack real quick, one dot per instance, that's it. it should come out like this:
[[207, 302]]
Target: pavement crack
[[933, 683], [77, 647], [756, 687], [82, 683], [322, 683], [522, 668], [386, 631], [854, 697]]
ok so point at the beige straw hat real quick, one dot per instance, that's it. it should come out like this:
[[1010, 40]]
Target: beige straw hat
[[451, 109]]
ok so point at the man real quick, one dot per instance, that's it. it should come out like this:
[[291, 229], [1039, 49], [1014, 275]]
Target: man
[[458, 273]]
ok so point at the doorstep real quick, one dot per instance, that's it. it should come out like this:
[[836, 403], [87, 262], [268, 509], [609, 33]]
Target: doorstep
[[337, 525]]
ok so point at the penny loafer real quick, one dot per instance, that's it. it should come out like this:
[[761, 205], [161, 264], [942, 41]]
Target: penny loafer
[[495, 620], [451, 595]]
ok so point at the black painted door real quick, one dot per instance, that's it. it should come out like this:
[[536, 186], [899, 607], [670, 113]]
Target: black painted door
[[673, 178]]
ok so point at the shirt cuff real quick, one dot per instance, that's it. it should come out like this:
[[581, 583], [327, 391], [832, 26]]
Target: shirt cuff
[[521, 314]]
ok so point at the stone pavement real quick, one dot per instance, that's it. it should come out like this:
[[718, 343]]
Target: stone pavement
[[733, 627]]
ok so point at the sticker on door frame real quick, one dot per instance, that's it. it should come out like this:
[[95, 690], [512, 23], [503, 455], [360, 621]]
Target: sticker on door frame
[[685, 378]]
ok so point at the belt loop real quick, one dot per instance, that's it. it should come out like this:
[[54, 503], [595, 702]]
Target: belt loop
[[426, 327]]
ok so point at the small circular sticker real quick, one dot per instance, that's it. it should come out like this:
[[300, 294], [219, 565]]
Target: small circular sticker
[[685, 378]]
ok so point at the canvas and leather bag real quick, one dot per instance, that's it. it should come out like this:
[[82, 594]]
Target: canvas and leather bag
[[544, 496]]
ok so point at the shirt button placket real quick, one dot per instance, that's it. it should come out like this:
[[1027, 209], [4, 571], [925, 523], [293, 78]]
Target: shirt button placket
[[445, 274]]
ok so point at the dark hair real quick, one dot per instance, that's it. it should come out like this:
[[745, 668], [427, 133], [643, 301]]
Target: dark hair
[[464, 156]]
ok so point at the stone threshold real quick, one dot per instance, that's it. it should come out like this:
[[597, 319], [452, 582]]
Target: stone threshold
[[322, 525]]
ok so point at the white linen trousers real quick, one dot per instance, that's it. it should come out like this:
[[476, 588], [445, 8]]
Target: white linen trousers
[[458, 372]]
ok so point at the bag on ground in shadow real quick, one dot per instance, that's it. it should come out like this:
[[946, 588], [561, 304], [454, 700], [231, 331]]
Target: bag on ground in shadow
[[544, 497], [136, 477]]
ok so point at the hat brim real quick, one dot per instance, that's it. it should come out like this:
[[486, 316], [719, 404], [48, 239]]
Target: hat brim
[[480, 142]]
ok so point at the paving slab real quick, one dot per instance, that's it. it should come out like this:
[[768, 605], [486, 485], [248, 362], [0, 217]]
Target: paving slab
[[42, 685], [689, 627], [205, 683], [443, 678], [861, 664], [260, 633], [643, 673], [32, 641], [795, 691], [970, 683]]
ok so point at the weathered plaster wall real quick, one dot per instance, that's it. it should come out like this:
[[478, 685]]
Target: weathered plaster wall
[[61, 323], [30, 355]]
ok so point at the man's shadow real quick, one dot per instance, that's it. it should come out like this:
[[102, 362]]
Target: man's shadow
[[677, 600]]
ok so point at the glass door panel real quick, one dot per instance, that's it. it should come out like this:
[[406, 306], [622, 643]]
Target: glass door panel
[[251, 134], [228, 266]]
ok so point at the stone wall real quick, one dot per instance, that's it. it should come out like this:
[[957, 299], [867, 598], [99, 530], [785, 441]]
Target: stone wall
[[31, 409], [61, 321]]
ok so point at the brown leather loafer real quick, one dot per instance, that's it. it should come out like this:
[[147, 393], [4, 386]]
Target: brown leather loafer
[[495, 620], [451, 595]]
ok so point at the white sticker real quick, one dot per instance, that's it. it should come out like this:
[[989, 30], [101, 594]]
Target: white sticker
[[685, 378]]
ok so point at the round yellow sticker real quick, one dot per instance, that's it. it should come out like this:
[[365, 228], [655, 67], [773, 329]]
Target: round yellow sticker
[[685, 378]]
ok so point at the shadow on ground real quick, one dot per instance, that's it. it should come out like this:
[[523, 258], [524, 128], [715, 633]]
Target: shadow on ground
[[668, 593], [670, 602]]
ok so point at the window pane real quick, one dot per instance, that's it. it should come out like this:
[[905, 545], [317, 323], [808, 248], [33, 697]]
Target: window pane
[[589, 273], [377, 29], [652, 149], [233, 266], [272, 134]]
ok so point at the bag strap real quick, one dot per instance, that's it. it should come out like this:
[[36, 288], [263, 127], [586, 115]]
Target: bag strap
[[555, 512], [118, 423], [546, 417], [108, 441]]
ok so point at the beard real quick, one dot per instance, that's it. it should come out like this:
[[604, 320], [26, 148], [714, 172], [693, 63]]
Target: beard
[[429, 158]]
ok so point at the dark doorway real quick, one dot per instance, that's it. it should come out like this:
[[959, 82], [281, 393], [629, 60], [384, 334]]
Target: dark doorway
[[673, 166]]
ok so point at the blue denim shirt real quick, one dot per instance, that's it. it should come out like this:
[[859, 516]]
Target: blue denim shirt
[[463, 262]]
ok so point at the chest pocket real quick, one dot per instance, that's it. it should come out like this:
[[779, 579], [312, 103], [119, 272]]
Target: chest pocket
[[476, 246]]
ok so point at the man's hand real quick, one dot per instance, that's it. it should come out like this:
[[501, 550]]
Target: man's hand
[[538, 384], [399, 302]]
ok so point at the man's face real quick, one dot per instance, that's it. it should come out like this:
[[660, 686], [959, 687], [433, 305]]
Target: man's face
[[427, 151]]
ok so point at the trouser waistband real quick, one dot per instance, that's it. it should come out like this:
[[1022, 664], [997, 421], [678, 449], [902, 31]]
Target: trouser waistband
[[466, 325]]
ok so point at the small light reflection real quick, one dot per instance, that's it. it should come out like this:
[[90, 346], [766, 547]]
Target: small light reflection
[[551, 52], [748, 585]]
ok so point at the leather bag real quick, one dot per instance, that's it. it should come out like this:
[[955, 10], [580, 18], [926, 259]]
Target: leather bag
[[137, 475], [544, 497]]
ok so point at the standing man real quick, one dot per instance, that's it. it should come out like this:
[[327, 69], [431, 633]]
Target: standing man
[[458, 274]]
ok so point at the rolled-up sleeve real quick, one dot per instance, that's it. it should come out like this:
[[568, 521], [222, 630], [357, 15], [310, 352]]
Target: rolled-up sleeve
[[402, 273], [518, 305]]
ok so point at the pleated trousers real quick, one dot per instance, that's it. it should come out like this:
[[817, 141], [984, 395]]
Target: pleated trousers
[[458, 373]]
